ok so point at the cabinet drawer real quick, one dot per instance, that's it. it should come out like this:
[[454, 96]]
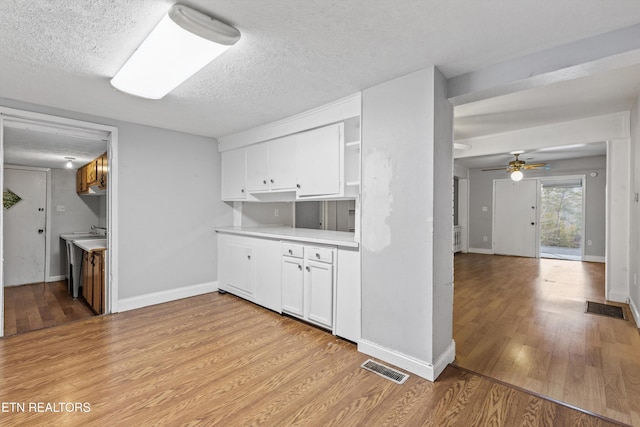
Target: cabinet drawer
[[320, 254], [293, 250]]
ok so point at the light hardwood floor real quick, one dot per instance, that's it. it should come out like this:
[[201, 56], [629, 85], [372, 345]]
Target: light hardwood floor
[[40, 305], [522, 321], [219, 360]]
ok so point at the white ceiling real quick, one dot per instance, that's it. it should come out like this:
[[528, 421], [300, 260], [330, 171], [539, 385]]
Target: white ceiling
[[293, 55], [48, 150]]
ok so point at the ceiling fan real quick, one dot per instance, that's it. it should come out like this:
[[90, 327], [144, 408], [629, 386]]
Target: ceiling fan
[[515, 167]]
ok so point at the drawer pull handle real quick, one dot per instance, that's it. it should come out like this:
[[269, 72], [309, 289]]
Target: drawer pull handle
[[308, 269], [248, 256], [290, 252], [264, 181], [299, 267], [317, 255]]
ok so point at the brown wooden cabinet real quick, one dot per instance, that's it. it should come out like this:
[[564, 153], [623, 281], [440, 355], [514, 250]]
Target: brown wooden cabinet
[[93, 279], [93, 174], [81, 181]]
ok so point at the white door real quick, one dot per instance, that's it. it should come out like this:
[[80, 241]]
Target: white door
[[515, 214], [25, 198]]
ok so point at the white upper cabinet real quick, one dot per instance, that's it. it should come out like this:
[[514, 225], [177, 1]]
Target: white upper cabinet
[[258, 167], [318, 161], [282, 163], [233, 174], [271, 165]]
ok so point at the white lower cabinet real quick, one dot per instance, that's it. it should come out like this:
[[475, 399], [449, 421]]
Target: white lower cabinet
[[319, 284], [250, 268], [308, 283]]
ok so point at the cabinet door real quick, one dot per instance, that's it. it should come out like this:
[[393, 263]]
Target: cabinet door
[[236, 266], [233, 174], [293, 286], [81, 180], [258, 167], [103, 167], [92, 172], [97, 282], [282, 163], [87, 277], [318, 161], [319, 292]]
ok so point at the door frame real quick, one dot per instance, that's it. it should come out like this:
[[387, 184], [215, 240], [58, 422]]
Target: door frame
[[583, 178], [6, 115]]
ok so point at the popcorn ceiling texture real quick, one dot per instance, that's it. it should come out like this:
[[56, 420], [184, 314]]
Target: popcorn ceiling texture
[[293, 55]]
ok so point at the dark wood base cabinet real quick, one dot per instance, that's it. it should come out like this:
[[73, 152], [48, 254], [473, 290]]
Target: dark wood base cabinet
[[93, 279]]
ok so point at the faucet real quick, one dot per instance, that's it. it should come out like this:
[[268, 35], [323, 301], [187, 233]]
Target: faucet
[[96, 228]]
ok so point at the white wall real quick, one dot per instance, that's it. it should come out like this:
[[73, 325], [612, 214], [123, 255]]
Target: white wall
[[80, 213], [634, 223], [169, 203], [260, 213], [406, 243]]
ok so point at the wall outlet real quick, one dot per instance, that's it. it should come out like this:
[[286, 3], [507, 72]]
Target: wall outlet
[[485, 209], [589, 242], [485, 238], [276, 212], [60, 208]]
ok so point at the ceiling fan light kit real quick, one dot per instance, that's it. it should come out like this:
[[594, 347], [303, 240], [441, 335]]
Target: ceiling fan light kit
[[515, 167], [180, 45]]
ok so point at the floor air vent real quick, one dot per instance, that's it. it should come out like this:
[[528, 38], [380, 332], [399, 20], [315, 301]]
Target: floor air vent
[[384, 371]]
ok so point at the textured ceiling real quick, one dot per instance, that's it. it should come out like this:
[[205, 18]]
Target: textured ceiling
[[48, 150], [294, 55]]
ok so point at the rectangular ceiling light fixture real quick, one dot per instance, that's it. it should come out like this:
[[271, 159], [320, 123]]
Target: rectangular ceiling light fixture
[[182, 43]]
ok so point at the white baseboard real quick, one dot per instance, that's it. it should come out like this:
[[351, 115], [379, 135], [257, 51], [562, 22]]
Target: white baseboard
[[635, 312], [165, 296], [480, 251], [593, 258], [419, 367], [56, 278], [617, 297]]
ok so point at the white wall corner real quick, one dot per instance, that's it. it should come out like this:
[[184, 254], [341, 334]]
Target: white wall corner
[[165, 296], [635, 312], [418, 367], [617, 297]]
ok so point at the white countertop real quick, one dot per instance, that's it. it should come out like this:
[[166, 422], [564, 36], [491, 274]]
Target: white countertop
[[327, 237], [78, 235], [91, 245]]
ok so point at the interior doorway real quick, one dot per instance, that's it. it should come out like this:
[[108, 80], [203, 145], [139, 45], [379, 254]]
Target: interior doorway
[[30, 140], [562, 219]]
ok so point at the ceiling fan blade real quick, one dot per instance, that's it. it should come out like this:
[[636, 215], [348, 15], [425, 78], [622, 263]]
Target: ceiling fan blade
[[536, 166], [495, 169]]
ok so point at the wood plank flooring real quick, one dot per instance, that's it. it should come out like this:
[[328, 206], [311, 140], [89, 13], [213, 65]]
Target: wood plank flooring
[[40, 305], [218, 360], [522, 321]]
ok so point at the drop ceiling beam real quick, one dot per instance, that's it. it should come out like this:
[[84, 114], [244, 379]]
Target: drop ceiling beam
[[609, 51]]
